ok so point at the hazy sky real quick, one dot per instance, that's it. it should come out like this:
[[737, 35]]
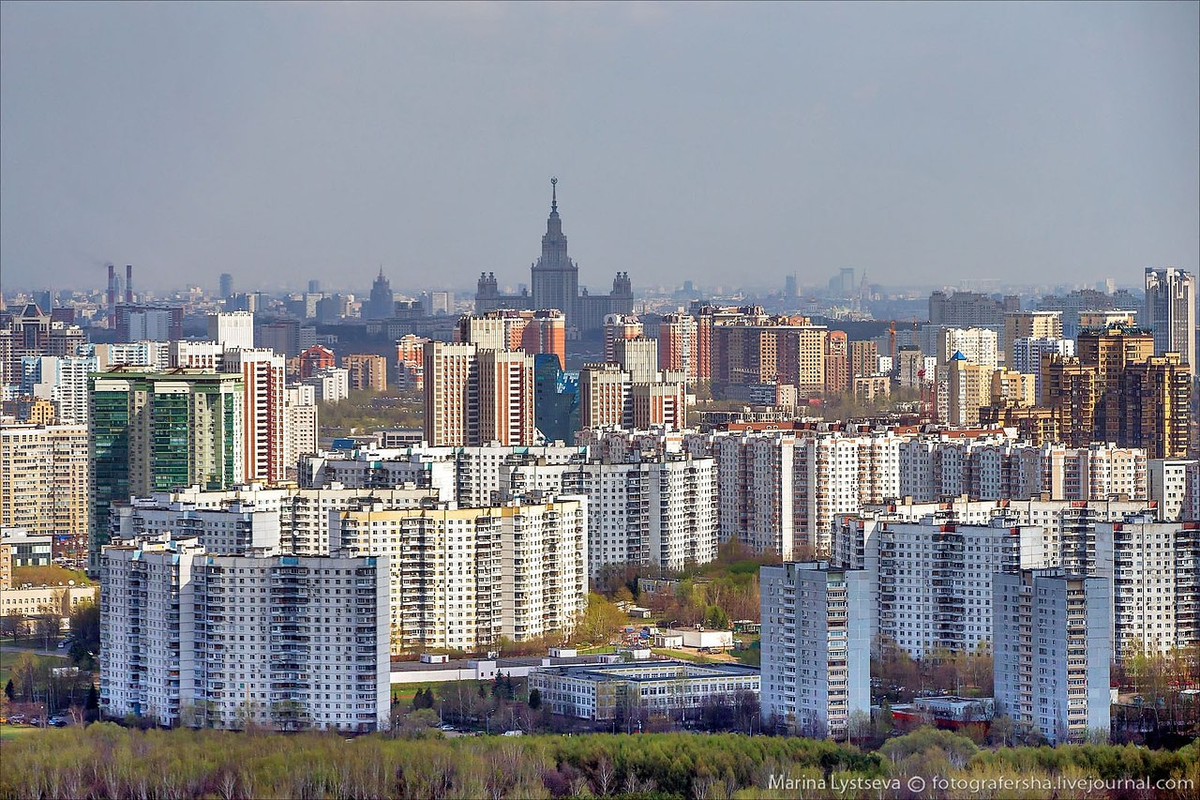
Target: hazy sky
[[722, 143]]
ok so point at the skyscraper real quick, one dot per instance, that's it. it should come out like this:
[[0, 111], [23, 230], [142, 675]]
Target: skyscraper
[[381, 304], [1171, 312], [226, 286], [555, 277], [153, 431], [555, 284]]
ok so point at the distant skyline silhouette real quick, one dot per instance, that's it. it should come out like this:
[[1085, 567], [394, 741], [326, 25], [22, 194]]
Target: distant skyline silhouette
[[1040, 143]]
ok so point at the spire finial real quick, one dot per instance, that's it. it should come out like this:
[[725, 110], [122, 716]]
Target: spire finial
[[554, 194]]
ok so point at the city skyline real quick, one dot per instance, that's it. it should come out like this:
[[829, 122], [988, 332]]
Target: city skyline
[[920, 144]]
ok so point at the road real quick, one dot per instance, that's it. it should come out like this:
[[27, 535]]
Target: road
[[55, 653]]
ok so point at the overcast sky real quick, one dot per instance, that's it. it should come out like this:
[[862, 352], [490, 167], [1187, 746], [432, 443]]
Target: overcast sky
[[1047, 143]]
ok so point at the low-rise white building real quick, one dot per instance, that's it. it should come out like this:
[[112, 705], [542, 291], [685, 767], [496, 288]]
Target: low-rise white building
[[609, 691]]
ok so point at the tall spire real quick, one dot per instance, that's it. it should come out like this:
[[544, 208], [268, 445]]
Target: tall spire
[[553, 195]]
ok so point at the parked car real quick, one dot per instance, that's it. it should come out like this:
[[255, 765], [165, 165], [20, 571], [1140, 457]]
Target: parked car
[[58, 721], [17, 719]]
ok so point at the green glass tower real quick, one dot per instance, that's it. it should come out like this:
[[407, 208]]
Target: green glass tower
[[153, 431]]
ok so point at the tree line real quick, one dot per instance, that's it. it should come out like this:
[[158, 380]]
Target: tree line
[[105, 760]]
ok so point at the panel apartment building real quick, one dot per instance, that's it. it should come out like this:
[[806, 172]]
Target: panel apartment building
[[816, 647], [227, 641]]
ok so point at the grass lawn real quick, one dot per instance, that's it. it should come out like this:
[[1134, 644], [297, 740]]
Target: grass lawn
[[13, 731], [7, 659], [404, 693]]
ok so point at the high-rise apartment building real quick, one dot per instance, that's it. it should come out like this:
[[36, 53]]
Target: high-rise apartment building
[[232, 329], [970, 309], [32, 332], [816, 647], [970, 388], [1170, 312], [190, 354], [462, 578], [301, 426], [755, 352], [1029, 325], [534, 332], [609, 395], [1053, 643], [638, 356], [44, 485], [977, 345], [228, 641], [1144, 577], [316, 358], [864, 358], [152, 431], [1027, 356], [661, 512], [367, 371], [677, 345], [63, 380], [264, 418], [837, 363], [474, 396], [505, 399], [618, 327], [936, 580], [410, 363], [451, 393]]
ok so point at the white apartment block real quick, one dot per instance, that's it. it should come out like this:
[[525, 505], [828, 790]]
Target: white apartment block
[[935, 580], [1187, 584], [651, 512], [1171, 486], [331, 385], [816, 647], [283, 642], [755, 480], [63, 380], [291, 520], [425, 467], [233, 528], [656, 505], [1149, 575], [301, 426], [1028, 353], [461, 578], [156, 355], [1052, 652], [996, 468], [197, 355], [232, 330], [978, 345]]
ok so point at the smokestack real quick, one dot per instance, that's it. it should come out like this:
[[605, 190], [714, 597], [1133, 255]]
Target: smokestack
[[129, 283], [112, 296]]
